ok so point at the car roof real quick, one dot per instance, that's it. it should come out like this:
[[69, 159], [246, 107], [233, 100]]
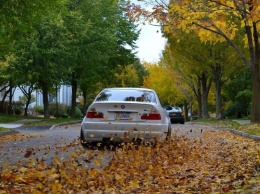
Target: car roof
[[175, 108], [128, 88], [129, 91]]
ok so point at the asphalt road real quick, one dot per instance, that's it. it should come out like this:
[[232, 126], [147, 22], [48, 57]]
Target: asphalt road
[[43, 144]]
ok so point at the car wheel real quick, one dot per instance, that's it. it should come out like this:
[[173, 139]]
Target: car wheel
[[82, 140], [169, 133]]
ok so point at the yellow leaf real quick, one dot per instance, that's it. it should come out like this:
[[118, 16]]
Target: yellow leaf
[[118, 177], [56, 188], [134, 183]]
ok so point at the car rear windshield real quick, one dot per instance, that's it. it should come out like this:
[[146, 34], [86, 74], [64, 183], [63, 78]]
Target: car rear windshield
[[127, 95]]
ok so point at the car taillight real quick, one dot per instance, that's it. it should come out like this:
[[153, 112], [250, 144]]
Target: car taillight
[[153, 115], [92, 114]]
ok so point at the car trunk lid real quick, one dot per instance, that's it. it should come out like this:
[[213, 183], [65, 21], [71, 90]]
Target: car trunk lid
[[123, 111]]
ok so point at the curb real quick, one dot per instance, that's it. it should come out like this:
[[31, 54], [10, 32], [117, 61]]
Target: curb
[[65, 123], [13, 131], [243, 134], [237, 132]]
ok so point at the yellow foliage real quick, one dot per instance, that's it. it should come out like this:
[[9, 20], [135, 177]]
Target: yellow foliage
[[205, 18], [164, 81], [127, 77], [56, 188], [134, 183]]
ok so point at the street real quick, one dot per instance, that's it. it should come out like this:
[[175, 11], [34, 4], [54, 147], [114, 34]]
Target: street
[[53, 160], [36, 145]]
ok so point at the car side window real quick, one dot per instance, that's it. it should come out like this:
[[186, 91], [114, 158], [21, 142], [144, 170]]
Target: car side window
[[168, 107]]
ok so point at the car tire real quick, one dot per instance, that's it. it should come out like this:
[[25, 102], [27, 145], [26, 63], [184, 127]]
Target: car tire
[[82, 140], [169, 133]]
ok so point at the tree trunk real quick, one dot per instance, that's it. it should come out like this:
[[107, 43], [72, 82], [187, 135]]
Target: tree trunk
[[218, 100], [45, 102], [3, 98], [197, 92], [199, 101], [191, 110], [74, 86], [11, 93], [185, 111], [85, 101], [10, 111], [27, 91], [205, 83], [27, 105], [255, 109], [217, 71], [56, 114]]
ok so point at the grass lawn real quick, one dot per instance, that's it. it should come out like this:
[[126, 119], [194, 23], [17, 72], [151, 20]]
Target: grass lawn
[[253, 129], [40, 121]]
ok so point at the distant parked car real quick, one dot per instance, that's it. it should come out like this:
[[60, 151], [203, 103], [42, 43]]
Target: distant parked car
[[175, 113], [123, 115]]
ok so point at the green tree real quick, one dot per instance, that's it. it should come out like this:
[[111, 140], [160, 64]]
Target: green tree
[[216, 21], [109, 44], [27, 98], [28, 32]]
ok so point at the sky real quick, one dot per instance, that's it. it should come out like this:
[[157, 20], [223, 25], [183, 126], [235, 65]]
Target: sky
[[150, 43]]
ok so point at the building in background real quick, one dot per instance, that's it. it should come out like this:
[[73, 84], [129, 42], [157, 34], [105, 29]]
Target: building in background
[[63, 96]]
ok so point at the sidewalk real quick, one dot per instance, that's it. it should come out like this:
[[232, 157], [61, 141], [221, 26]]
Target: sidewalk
[[242, 122]]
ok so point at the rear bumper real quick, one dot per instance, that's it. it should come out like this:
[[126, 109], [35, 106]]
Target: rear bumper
[[122, 132], [177, 119]]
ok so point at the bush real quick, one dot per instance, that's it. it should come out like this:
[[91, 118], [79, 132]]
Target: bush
[[62, 109], [17, 107], [81, 108], [65, 116], [18, 111], [78, 113], [236, 110], [38, 109], [69, 110]]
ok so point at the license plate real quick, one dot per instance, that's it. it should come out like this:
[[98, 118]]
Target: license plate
[[122, 115]]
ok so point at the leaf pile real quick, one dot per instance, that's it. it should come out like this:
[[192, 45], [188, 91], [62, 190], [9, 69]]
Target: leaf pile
[[16, 137], [219, 162]]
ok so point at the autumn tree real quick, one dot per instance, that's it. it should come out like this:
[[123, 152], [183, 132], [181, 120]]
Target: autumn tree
[[191, 68], [165, 83], [201, 64], [127, 77], [215, 21]]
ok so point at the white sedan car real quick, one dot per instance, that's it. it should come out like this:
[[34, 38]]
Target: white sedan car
[[124, 115]]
